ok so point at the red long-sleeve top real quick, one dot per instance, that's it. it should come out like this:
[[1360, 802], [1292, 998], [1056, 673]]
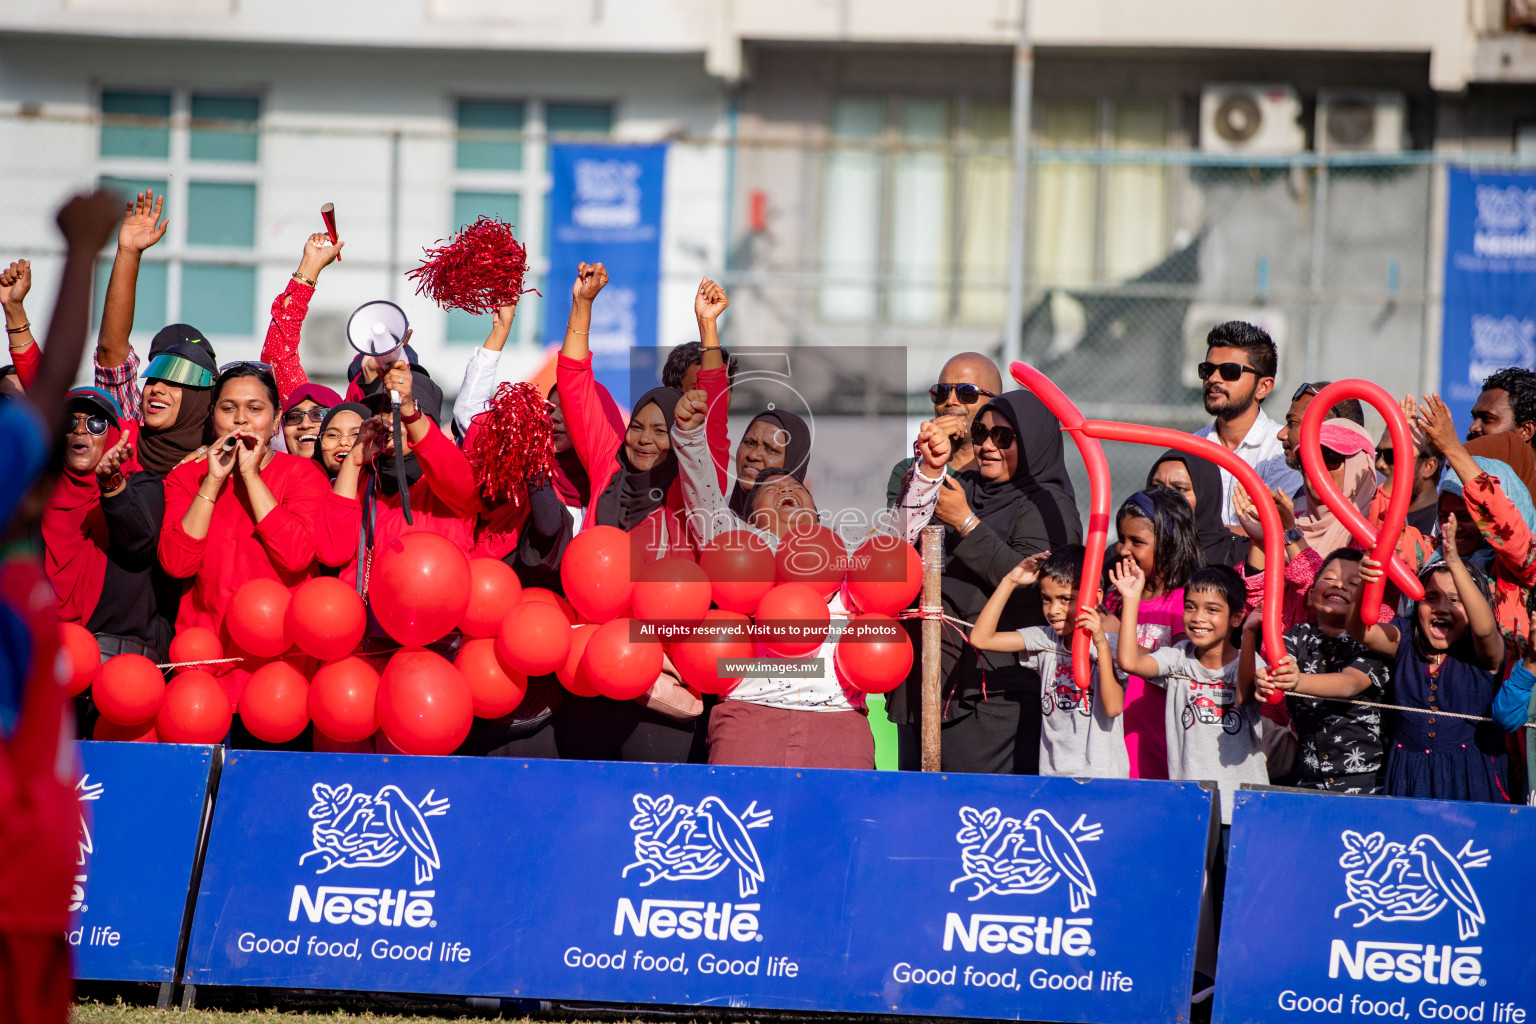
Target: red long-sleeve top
[[443, 501], [27, 362], [281, 349], [238, 548], [597, 442]]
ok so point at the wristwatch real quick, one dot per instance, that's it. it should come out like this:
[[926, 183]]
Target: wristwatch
[[1293, 536]]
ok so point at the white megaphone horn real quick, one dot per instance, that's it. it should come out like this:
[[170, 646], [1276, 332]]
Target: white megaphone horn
[[378, 329]]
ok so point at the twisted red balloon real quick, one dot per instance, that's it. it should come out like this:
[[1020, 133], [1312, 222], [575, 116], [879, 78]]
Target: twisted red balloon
[[1098, 506], [1383, 545], [1274, 541]]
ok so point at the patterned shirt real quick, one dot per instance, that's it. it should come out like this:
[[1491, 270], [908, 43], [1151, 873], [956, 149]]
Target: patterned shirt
[[1341, 746], [122, 383]]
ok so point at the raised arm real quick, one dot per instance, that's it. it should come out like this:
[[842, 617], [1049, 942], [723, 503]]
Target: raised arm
[[709, 514], [1481, 623], [1379, 639], [86, 222], [922, 491], [590, 279], [482, 372], [1129, 580], [1247, 657], [984, 635], [281, 349], [1111, 689], [141, 229], [15, 282]]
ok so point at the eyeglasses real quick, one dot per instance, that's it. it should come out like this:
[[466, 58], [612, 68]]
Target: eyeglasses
[[94, 425], [331, 438], [1001, 436], [967, 393], [1229, 371], [293, 417]]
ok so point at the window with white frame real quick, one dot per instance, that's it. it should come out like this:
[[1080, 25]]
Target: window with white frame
[[501, 171], [916, 194], [200, 150]]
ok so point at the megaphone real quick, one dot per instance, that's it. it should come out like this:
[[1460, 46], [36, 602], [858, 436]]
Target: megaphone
[[378, 329]]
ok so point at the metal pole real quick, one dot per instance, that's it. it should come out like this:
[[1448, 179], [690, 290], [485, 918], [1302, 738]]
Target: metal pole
[[1314, 352], [392, 263], [1018, 213], [933, 636]]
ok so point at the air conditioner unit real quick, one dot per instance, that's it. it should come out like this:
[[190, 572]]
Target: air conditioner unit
[[1200, 317], [1360, 121], [1251, 119]]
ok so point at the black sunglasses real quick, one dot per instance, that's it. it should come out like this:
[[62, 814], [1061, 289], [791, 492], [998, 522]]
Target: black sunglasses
[[1306, 389], [967, 393], [293, 417], [94, 425], [1000, 435], [1387, 455], [1229, 371]]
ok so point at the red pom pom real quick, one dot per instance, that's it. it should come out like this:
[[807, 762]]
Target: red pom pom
[[510, 445], [480, 269]]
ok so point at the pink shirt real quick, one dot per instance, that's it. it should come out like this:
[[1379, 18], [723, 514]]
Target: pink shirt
[[1157, 622]]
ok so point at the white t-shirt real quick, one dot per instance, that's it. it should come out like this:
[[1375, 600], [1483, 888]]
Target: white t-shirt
[[1077, 738], [1261, 449], [1211, 738]]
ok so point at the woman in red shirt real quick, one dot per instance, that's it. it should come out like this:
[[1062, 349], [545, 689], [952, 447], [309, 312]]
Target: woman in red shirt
[[244, 513]]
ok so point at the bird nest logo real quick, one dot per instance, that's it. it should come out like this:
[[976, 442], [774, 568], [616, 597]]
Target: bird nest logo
[[1388, 881], [1009, 857], [358, 830], [85, 790], [678, 842]]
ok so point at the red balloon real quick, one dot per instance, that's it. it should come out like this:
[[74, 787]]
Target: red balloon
[[128, 689], [798, 607], [257, 618], [698, 658], [495, 688], [419, 588], [551, 598], [81, 652], [196, 643], [493, 589], [534, 638], [326, 618], [341, 700], [814, 555], [876, 661], [110, 731], [571, 674], [672, 590], [618, 666], [274, 705], [424, 704], [195, 710], [598, 572], [885, 575], [740, 567]]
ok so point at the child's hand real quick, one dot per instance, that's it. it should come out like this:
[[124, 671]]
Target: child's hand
[[1254, 619], [1247, 514], [691, 410], [1128, 578], [1370, 569], [1283, 676], [1090, 620], [1447, 541], [1027, 571]]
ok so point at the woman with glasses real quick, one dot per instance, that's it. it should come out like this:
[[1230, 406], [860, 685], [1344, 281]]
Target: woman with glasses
[[339, 431], [243, 513], [303, 412], [100, 531], [1017, 502]]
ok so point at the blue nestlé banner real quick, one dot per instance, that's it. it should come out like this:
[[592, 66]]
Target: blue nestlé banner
[[867, 892], [1490, 281], [141, 810], [605, 207], [1344, 908]]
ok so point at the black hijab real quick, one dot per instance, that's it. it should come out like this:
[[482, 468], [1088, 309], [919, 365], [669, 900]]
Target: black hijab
[[161, 451], [354, 407], [633, 494], [1040, 477], [797, 455], [1219, 545]]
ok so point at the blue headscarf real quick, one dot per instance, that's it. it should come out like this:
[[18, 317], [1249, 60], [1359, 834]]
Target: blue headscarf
[[1509, 483]]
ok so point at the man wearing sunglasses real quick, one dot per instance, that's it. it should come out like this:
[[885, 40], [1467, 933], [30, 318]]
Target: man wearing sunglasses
[[1290, 434], [1236, 377], [967, 382], [1424, 510]]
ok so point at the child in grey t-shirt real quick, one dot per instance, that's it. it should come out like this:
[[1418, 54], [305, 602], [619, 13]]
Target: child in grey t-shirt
[[1212, 721], [1080, 731]]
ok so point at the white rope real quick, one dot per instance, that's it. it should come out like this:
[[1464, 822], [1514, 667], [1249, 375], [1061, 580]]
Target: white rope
[[1401, 707]]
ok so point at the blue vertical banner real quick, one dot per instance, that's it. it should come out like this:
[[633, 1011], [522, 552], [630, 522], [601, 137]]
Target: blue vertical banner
[[1490, 281], [141, 812], [605, 207]]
